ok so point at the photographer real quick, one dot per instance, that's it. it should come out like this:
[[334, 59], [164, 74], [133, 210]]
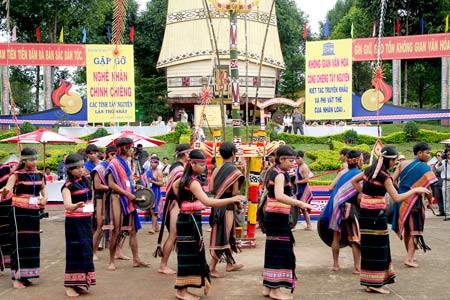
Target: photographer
[[437, 187], [443, 167]]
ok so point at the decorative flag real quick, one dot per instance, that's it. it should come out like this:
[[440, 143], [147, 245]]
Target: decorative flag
[[38, 34], [61, 35], [376, 150], [446, 24], [397, 27], [132, 34], [422, 25], [351, 31], [305, 31], [14, 34], [374, 30], [84, 36], [108, 33], [326, 29]]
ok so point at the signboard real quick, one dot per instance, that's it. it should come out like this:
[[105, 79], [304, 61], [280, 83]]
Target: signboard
[[403, 47], [110, 83], [211, 114], [329, 80], [18, 54]]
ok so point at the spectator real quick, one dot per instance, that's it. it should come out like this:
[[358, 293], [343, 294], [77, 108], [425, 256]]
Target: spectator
[[437, 186], [298, 120], [141, 157], [287, 122], [49, 175], [61, 169], [183, 116], [172, 124]]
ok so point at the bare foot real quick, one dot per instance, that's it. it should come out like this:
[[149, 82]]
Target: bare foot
[[122, 257], [95, 258], [140, 263], [18, 285], [151, 232], [166, 270], [186, 296], [215, 274], [356, 271], [380, 290], [278, 295], [411, 264], [235, 267], [308, 228], [111, 267], [335, 268], [266, 291], [70, 292], [80, 290]]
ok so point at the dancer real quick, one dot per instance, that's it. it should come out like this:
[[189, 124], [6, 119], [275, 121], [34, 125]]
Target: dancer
[[409, 216], [29, 196], [154, 180], [339, 214], [376, 265], [171, 210], [193, 271], [92, 161], [304, 193], [279, 259], [77, 197], [5, 233], [124, 213], [342, 158], [225, 182]]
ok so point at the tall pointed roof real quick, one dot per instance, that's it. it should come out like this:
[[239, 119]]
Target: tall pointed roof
[[186, 38]]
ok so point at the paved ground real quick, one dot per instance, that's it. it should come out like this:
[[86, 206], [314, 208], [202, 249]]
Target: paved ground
[[316, 281]]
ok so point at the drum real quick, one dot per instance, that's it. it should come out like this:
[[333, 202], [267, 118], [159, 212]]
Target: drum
[[145, 199], [326, 234], [293, 216], [389, 211]]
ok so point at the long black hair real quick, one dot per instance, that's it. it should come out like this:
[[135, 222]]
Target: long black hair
[[188, 171], [352, 158], [25, 152], [284, 151]]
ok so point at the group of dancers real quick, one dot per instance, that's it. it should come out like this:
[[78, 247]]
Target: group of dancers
[[103, 199]]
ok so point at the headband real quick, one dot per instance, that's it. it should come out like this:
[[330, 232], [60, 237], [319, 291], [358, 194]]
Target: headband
[[75, 164], [183, 151], [154, 160], [380, 162], [355, 160], [197, 160], [288, 157], [28, 157]]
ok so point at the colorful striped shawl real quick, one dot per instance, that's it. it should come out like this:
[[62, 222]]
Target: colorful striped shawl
[[101, 171], [226, 176], [121, 173], [340, 196], [416, 174], [174, 175]]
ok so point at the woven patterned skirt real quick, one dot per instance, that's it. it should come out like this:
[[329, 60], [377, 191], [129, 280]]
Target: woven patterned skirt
[[193, 271], [79, 253], [5, 235], [376, 265], [279, 258], [25, 243]]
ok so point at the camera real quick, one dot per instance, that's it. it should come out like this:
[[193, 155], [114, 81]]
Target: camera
[[43, 214]]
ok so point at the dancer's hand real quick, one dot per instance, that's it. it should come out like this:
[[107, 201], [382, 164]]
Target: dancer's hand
[[78, 205], [421, 190], [304, 205]]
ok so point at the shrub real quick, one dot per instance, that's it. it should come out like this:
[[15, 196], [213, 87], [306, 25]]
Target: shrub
[[432, 137], [100, 132], [26, 127], [395, 138], [411, 130], [7, 134], [350, 137]]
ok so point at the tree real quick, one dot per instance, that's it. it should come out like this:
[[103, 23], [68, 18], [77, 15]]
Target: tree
[[151, 98]]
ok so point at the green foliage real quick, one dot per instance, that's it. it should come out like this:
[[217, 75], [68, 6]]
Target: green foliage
[[319, 182], [324, 160], [350, 137], [26, 127], [3, 155], [185, 139], [431, 137], [7, 134], [338, 146], [411, 130], [100, 132], [151, 100], [394, 138]]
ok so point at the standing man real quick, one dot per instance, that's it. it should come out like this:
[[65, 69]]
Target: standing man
[[171, 209], [141, 157], [92, 159], [61, 169], [225, 183], [298, 120], [441, 189], [154, 180], [409, 215], [304, 193], [124, 213]]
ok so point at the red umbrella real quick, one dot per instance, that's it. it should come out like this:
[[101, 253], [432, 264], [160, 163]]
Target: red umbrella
[[42, 136], [137, 139]]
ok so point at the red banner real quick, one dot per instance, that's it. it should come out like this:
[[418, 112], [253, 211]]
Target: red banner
[[21, 54], [402, 47]]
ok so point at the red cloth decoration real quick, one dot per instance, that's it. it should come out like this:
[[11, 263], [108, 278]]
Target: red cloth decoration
[[132, 34], [305, 31], [253, 192], [38, 34], [397, 27]]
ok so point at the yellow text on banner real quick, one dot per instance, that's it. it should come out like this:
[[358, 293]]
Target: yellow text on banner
[[110, 83], [329, 80]]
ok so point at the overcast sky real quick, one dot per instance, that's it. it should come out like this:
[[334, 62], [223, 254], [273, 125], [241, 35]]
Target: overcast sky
[[315, 9]]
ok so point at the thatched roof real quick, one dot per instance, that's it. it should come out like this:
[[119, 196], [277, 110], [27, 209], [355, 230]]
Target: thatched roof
[[186, 38]]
